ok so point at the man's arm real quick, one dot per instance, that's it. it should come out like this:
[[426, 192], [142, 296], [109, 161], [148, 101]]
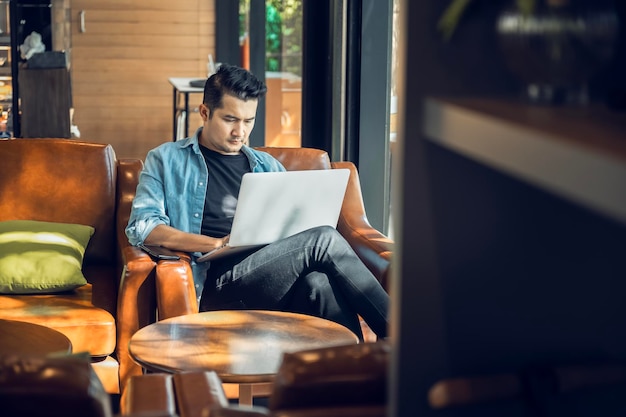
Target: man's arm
[[174, 239], [149, 223]]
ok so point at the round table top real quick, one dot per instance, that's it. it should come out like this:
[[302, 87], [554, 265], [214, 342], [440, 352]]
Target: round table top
[[24, 338], [241, 346]]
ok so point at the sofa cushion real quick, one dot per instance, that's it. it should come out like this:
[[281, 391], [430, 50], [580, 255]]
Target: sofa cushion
[[38, 256], [89, 328]]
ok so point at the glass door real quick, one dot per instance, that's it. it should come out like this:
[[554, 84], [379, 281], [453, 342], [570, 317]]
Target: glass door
[[283, 68], [6, 88], [328, 67]]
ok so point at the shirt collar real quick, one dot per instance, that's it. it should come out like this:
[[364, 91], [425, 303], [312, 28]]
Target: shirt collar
[[194, 142]]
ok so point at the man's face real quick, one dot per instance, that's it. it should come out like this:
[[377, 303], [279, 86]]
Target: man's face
[[229, 128]]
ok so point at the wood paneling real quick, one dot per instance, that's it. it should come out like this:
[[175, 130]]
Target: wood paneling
[[130, 5], [141, 40], [121, 63]]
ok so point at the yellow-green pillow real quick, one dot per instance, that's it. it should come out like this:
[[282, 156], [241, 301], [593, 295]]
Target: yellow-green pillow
[[38, 257]]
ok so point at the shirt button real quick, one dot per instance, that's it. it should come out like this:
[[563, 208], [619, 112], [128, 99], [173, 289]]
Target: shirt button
[[200, 183], [196, 215]]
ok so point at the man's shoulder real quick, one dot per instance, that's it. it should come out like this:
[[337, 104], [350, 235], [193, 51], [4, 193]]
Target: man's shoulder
[[258, 153], [167, 148], [267, 161]]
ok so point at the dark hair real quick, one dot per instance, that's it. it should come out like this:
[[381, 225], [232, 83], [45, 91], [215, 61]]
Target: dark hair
[[232, 80]]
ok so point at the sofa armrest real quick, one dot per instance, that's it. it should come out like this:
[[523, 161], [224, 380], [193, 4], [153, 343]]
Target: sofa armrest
[[136, 302], [136, 305], [128, 171], [175, 287], [371, 246]]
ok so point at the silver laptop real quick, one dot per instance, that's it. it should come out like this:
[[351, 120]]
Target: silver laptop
[[276, 205]]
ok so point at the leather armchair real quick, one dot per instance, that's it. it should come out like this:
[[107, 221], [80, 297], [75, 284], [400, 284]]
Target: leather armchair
[[69, 181], [176, 293]]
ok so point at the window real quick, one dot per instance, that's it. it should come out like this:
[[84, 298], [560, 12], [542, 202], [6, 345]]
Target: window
[[282, 66], [328, 66]]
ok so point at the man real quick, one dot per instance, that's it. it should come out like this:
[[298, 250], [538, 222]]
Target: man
[[186, 200]]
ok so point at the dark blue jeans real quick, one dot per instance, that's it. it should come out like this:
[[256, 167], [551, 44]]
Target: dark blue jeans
[[315, 272]]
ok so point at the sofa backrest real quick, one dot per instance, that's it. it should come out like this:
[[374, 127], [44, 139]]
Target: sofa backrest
[[65, 181], [295, 159]]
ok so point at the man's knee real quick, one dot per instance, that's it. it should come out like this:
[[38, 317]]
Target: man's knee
[[327, 233], [317, 282]]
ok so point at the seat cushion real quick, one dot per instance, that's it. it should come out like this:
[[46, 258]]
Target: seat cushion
[[89, 328]]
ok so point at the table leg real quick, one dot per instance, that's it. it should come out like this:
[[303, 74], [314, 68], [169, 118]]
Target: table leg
[[174, 109], [245, 394], [186, 115]]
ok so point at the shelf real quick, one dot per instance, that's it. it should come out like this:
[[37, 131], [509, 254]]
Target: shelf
[[578, 153]]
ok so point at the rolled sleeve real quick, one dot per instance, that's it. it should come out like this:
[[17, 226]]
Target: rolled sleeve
[[148, 209]]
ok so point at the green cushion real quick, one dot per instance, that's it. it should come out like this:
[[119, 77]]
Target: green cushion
[[38, 257]]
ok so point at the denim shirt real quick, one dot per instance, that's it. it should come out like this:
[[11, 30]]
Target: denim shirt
[[172, 189]]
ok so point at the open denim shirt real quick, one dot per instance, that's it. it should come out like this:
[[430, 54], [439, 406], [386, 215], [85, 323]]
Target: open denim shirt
[[172, 189]]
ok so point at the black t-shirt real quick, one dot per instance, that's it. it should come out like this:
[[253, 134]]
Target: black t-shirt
[[225, 172]]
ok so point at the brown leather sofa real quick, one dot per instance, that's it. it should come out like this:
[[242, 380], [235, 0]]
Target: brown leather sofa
[[175, 290], [346, 380], [68, 181]]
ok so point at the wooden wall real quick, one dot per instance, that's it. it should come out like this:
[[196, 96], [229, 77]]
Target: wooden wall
[[121, 64]]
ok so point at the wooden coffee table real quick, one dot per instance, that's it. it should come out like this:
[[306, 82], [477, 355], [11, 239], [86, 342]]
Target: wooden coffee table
[[19, 337], [243, 347]]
